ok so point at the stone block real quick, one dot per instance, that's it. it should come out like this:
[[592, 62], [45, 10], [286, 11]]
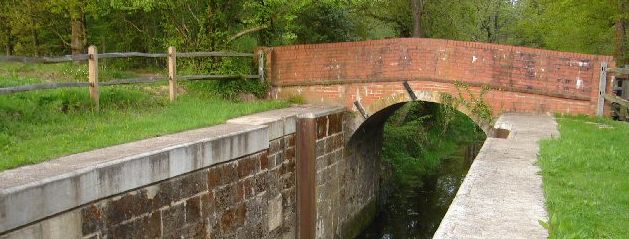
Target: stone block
[[329, 144], [320, 148], [279, 159], [338, 141], [145, 227], [335, 123], [174, 218], [322, 127], [290, 140], [290, 153], [233, 219], [93, 219], [222, 174], [264, 160], [275, 213], [248, 166], [193, 210], [228, 196], [262, 182], [208, 206]]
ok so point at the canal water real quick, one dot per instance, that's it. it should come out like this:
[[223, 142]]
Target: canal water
[[416, 210]]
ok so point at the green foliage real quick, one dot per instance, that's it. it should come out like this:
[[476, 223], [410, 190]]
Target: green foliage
[[297, 99], [570, 25], [321, 22], [585, 172], [475, 103], [417, 137]]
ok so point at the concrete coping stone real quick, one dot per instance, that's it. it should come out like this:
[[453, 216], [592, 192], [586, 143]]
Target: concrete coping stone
[[283, 121], [32, 193], [322, 111]]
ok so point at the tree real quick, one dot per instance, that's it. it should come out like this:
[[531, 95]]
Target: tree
[[75, 11], [418, 9], [621, 42], [6, 37], [320, 22]]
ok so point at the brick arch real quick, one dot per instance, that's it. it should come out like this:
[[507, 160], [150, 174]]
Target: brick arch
[[521, 79], [427, 96]]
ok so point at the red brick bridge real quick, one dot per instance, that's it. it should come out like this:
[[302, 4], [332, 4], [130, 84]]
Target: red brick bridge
[[371, 75]]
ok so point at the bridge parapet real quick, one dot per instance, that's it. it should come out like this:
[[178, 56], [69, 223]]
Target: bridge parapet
[[532, 80]]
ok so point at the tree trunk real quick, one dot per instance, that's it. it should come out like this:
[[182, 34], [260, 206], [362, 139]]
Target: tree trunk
[[9, 44], [418, 9], [621, 58], [33, 30], [9, 47], [78, 35], [494, 38]]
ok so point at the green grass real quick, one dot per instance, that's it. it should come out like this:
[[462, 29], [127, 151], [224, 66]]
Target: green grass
[[42, 125], [15, 74], [586, 179]]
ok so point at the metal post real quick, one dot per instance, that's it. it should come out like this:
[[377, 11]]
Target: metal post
[[410, 91], [361, 109], [602, 90]]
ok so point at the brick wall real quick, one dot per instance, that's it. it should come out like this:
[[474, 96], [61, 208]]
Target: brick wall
[[515, 72]]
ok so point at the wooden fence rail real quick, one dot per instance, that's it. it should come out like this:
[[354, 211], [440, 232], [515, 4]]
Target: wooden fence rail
[[93, 82], [85, 57]]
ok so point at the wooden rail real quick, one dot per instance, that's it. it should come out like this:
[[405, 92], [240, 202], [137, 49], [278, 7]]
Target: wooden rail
[[620, 72], [85, 57], [93, 82]]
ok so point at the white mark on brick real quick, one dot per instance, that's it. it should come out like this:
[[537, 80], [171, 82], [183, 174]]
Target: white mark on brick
[[579, 83], [474, 58]]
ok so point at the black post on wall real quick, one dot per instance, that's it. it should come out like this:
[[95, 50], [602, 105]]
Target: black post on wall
[[306, 137]]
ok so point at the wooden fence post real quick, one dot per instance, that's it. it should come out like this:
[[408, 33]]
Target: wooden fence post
[[93, 75], [261, 65], [172, 73]]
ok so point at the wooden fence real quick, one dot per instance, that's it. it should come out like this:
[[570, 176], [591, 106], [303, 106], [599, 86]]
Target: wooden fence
[[93, 56]]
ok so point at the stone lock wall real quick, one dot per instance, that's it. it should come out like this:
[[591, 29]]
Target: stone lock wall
[[229, 181], [237, 180], [250, 197], [347, 177]]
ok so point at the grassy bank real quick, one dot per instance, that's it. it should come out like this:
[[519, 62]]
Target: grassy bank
[[420, 134], [41, 125], [586, 179]]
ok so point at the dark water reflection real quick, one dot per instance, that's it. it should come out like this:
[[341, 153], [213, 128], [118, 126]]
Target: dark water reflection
[[415, 211]]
